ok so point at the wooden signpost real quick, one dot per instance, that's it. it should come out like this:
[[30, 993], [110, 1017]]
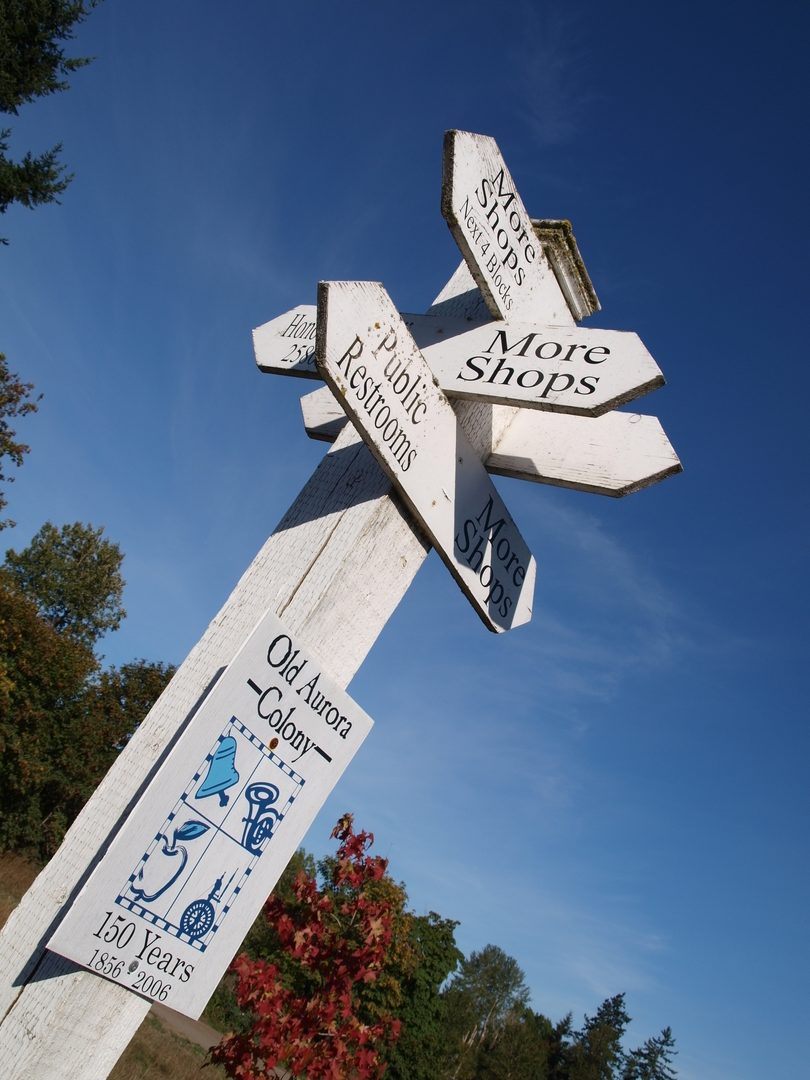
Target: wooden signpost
[[332, 573]]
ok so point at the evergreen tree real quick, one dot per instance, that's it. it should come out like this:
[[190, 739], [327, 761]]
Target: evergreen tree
[[596, 1052], [32, 64], [653, 1060], [558, 1048]]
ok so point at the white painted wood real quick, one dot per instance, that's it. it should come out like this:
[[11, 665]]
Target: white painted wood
[[327, 571], [323, 415], [526, 364], [373, 366], [489, 222], [277, 354], [615, 454], [461, 298], [170, 903], [580, 371], [286, 344]]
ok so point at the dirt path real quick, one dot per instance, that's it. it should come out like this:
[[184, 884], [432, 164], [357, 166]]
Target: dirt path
[[193, 1030]]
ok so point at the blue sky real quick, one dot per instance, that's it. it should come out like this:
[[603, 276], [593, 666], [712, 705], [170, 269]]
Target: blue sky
[[616, 794]]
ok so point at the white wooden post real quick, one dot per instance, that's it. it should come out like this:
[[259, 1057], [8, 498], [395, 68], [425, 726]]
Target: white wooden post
[[329, 572]]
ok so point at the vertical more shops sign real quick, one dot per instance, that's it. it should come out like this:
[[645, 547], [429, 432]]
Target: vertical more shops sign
[[170, 902], [371, 363], [491, 226]]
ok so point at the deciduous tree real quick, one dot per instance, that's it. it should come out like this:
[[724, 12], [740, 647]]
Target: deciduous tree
[[488, 987], [73, 575], [16, 399], [42, 677], [62, 722], [518, 1050], [429, 957], [310, 1014], [421, 955]]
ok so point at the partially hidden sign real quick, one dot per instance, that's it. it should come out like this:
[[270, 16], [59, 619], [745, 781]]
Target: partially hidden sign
[[172, 899], [373, 366]]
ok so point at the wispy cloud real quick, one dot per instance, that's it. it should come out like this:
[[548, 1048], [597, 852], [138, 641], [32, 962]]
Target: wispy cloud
[[574, 955], [549, 75], [600, 612]]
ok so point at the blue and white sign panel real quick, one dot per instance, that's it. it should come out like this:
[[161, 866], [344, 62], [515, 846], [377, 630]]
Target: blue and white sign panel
[[169, 904]]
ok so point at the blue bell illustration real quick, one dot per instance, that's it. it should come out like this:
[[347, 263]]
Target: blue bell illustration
[[222, 772]]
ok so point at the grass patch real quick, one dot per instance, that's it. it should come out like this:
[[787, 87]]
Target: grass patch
[[16, 874]]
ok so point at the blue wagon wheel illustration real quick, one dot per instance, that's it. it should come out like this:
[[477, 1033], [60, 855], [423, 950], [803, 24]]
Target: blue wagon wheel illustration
[[197, 919]]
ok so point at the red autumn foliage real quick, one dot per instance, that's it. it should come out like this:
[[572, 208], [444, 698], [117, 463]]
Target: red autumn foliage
[[338, 937]]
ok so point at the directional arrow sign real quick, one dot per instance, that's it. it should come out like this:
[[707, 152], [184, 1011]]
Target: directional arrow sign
[[489, 222], [562, 369], [374, 368], [286, 344], [615, 454]]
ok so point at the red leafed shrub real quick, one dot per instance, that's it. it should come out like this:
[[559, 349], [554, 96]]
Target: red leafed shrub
[[313, 1013]]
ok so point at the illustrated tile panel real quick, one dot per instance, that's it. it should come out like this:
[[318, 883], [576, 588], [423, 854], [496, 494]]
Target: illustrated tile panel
[[226, 816]]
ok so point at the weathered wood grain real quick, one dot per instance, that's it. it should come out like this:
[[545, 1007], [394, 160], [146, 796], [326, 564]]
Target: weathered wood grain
[[615, 454], [489, 222]]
